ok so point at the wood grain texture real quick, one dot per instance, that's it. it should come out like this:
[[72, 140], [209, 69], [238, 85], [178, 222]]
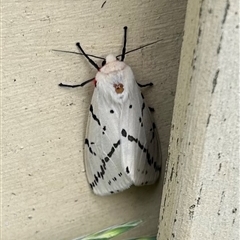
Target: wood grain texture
[[201, 188], [45, 191]]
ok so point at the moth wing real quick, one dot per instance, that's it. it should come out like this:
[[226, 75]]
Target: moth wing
[[103, 148], [141, 153]]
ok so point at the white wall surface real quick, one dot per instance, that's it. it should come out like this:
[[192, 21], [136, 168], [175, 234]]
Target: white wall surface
[[45, 194], [201, 188]]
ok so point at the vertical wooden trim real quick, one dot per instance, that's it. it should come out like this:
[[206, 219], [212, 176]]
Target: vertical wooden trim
[[201, 190]]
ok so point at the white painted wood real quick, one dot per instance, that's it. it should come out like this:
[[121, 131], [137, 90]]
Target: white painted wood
[[45, 192], [201, 188]]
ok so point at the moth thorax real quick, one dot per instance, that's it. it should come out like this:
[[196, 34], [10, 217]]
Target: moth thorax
[[119, 88]]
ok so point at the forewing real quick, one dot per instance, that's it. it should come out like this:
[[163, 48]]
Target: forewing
[[103, 147], [141, 153]]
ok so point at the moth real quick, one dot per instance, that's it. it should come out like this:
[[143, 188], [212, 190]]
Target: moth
[[122, 146]]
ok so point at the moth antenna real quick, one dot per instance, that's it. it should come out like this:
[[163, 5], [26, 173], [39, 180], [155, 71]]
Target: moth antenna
[[133, 50], [77, 85], [87, 57], [124, 44], [90, 55]]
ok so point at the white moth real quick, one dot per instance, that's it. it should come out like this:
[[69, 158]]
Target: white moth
[[121, 146]]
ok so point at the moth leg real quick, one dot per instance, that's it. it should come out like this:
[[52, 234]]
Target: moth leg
[[151, 109], [86, 56], [77, 85], [145, 85]]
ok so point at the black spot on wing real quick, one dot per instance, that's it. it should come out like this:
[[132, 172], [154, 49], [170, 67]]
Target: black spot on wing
[[149, 158], [111, 111], [89, 148], [152, 129], [132, 139], [140, 121], [130, 106], [144, 183], [143, 106], [96, 178], [103, 164], [140, 145], [104, 129], [116, 144], [111, 152], [124, 133], [94, 116], [103, 167]]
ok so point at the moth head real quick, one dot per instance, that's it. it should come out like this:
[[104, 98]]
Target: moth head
[[109, 58]]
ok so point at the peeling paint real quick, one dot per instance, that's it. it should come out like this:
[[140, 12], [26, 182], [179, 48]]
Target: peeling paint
[[214, 82], [226, 12]]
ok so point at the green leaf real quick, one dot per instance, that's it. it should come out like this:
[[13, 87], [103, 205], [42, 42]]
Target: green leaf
[[111, 232], [144, 238]]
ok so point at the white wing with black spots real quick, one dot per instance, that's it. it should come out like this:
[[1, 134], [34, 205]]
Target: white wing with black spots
[[103, 148], [121, 145], [140, 143]]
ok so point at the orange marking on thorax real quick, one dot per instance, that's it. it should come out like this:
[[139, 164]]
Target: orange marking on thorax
[[119, 88]]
